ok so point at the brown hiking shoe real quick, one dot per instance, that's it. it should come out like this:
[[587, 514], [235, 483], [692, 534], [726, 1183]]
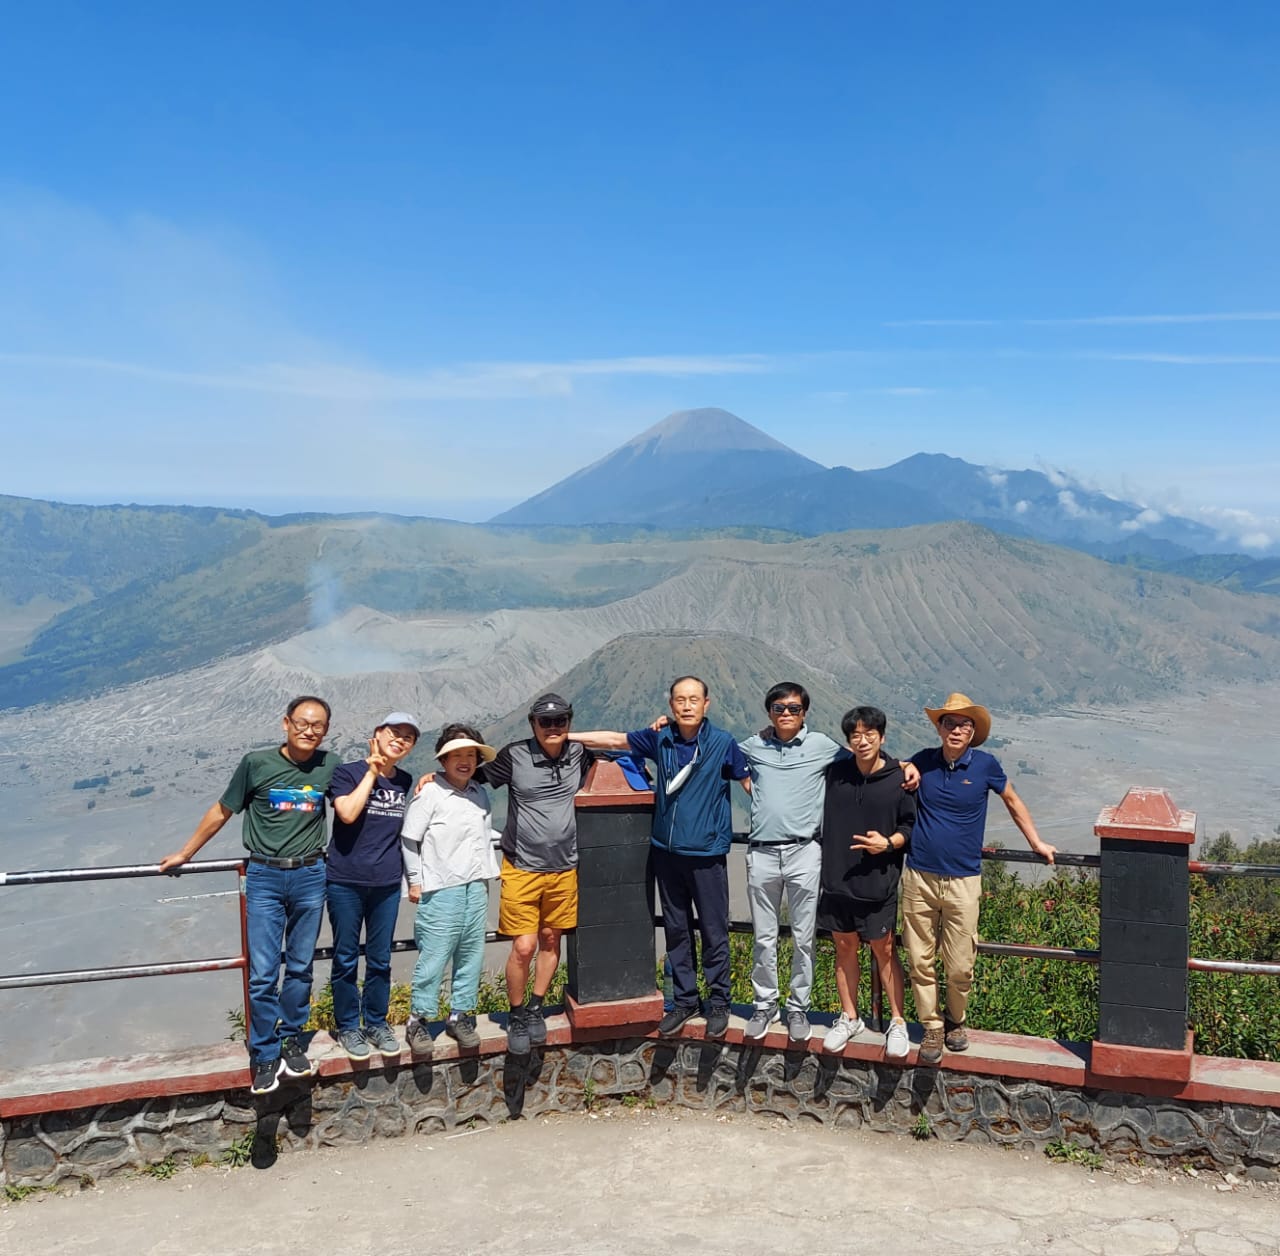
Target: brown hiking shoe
[[931, 1047], [957, 1038]]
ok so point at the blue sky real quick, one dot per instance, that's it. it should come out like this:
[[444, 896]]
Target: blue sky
[[410, 259]]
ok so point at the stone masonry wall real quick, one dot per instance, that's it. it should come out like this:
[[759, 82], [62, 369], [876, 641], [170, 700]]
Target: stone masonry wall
[[429, 1098]]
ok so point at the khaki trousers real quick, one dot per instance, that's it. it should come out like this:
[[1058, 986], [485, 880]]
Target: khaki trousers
[[940, 914]]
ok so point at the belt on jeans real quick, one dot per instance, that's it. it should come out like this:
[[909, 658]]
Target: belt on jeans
[[272, 862], [786, 841]]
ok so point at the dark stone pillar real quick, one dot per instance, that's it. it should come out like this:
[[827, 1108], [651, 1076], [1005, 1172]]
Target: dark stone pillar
[[1143, 907], [611, 954]]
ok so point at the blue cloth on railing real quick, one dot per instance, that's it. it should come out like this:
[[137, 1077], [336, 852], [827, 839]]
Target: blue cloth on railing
[[633, 768]]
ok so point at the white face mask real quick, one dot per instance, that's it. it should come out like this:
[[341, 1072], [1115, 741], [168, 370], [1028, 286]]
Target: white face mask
[[676, 783]]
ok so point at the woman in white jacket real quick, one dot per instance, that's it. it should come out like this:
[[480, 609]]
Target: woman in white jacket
[[447, 843]]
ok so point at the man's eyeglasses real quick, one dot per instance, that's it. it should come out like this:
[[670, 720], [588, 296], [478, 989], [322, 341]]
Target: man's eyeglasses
[[787, 708], [950, 721], [308, 726], [553, 721]]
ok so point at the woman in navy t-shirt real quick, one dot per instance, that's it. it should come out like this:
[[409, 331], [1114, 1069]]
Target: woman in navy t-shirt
[[363, 890]]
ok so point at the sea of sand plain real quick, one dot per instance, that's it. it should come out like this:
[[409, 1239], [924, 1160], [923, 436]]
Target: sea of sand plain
[[1214, 751]]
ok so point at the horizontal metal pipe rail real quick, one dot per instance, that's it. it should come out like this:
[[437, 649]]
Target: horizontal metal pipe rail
[[1233, 869], [117, 872], [122, 872], [77, 976]]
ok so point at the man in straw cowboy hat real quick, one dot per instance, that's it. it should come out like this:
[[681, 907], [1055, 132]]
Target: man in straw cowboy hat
[[942, 882]]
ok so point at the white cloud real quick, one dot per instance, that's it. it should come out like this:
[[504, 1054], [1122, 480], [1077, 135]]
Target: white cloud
[[1238, 527], [1021, 507], [1053, 475], [1185, 359], [904, 391], [1144, 518], [467, 381], [1097, 320], [997, 479]]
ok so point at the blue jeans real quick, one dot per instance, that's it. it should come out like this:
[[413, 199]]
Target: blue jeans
[[283, 906], [449, 928], [375, 908]]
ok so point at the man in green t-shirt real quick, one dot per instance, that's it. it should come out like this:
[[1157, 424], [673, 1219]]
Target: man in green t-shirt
[[281, 793]]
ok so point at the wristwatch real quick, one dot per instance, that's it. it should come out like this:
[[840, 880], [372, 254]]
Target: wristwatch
[[888, 850]]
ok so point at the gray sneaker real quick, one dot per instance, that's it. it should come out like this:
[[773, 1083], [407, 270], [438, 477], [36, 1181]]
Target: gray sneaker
[[518, 1031], [798, 1026], [461, 1026], [382, 1038], [760, 1021], [839, 1035], [418, 1035], [537, 1025], [354, 1043]]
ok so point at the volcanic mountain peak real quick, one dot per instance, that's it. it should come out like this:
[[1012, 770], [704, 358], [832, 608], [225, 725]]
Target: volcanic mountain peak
[[703, 431]]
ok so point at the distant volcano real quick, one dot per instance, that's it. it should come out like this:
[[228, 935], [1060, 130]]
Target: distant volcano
[[683, 462], [710, 469]]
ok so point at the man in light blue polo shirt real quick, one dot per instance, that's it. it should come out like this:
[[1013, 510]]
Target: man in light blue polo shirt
[[942, 882], [784, 855]]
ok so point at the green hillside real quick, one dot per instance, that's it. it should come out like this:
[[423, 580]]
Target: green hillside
[[904, 614], [66, 553], [285, 579]]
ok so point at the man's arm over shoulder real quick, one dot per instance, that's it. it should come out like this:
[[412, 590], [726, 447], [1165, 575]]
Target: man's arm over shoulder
[[736, 767], [828, 748], [498, 771], [417, 815], [906, 816], [600, 739]]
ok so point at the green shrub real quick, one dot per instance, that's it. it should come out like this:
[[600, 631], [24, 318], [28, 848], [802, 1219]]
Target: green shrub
[[1231, 1015]]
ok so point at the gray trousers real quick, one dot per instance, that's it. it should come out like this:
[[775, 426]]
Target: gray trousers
[[771, 870]]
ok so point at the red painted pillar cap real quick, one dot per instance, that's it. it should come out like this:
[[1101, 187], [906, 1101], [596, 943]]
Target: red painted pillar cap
[[1147, 814], [606, 786]]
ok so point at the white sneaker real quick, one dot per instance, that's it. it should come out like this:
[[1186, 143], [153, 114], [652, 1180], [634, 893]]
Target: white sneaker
[[838, 1035], [896, 1042]]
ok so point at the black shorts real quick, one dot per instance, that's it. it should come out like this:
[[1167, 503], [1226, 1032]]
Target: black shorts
[[869, 920]]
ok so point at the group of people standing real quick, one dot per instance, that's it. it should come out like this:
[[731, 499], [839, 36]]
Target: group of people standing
[[834, 829], [839, 832]]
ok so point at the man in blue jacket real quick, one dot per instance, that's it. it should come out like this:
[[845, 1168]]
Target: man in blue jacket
[[692, 831]]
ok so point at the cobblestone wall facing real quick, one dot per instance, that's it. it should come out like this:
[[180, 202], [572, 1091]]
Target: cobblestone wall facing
[[90, 1143]]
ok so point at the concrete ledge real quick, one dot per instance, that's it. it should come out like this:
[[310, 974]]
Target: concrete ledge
[[224, 1067], [1115, 1059], [619, 1016]]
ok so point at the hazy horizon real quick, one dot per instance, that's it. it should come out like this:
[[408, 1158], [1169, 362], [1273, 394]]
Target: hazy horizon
[[497, 252]]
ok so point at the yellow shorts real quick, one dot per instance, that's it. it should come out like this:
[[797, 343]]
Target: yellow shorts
[[531, 900]]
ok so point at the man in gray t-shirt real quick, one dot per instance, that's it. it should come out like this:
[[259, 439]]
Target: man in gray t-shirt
[[540, 857]]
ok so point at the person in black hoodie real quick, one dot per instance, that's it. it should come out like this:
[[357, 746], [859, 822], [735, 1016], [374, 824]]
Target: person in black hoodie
[[866, 825]]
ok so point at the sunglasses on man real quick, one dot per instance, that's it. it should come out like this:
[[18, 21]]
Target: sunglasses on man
[[787, 708], [553, 721]]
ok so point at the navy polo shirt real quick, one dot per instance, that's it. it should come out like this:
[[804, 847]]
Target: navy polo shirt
[[951, 811]]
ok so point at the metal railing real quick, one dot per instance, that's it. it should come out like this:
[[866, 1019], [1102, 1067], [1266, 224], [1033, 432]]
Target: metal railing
[[169, 968], [240, 962]]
